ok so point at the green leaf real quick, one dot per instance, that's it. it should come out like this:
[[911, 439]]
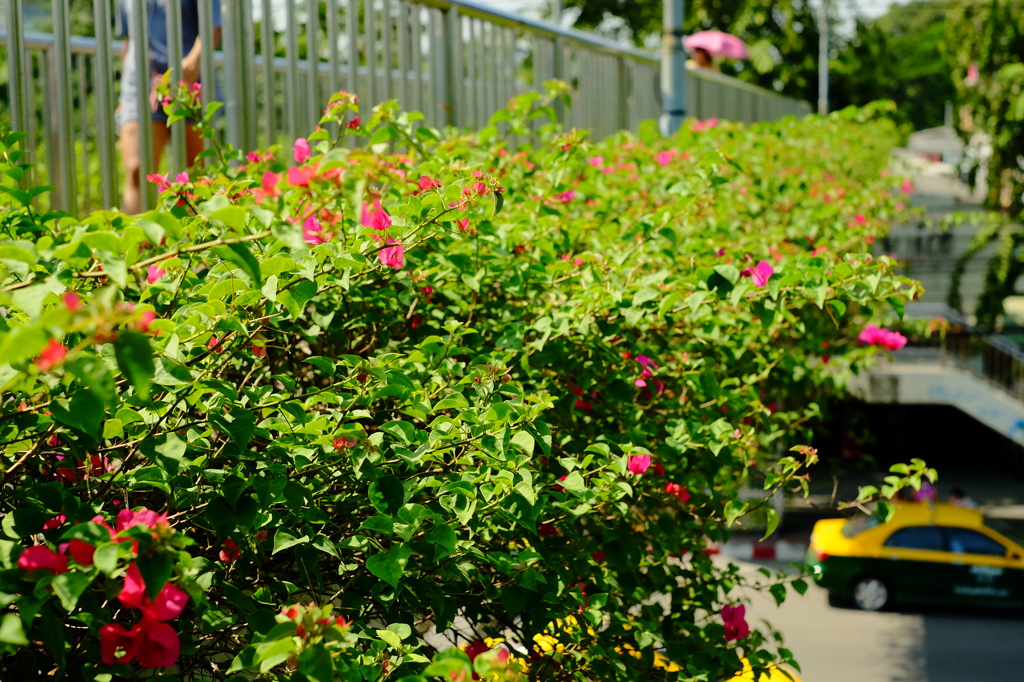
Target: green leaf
[[240, 424], [135, 359], [316, 664], [390, 566], [232, 216], [733, 510], [772, 521], [283, 540], [295, 298], [730, 272], [11, 630], [70, 586], [106, 556], [243, 258], [444, 540], [156, 569], [166, 450], [83, 413], [387, 494]]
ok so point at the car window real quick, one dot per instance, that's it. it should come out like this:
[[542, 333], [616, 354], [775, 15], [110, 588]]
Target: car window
[[859, 524], [1011, 528], [917, 537], [966, 541]]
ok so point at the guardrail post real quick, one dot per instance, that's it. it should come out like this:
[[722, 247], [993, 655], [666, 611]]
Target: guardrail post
[[139, 35], [66, 180], [176, 146], [103, 81], [16, 79]]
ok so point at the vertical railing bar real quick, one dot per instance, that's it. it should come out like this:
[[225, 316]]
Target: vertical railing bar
[[268, 44], [16, 65], [416, 16], [206, 68], [403, 36], [437, 62], [370, 47], [139, 35], [103, 99], [333, 55], [176, 158], [454, 78], [234, 97], [482, 75], [494, 43], [61, 73], [501, 59], [387, 25], [315, 103], [292, 101], [470, 82], [31, 146], [352, 30], [83, 109], [250, 115]]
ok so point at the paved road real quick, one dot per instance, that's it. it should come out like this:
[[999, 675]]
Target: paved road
[[845, 645]]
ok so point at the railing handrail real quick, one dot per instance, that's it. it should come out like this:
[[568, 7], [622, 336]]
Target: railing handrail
[[539, 26]]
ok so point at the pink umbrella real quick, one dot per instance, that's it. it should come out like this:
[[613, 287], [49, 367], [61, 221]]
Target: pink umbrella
[[717, 44]]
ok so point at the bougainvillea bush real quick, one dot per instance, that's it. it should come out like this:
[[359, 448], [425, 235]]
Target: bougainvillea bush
[[329, 405]]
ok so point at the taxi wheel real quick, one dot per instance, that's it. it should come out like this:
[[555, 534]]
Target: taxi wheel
[[871, 593]]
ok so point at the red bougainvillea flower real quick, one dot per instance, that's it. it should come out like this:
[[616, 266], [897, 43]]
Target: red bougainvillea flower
[[154, 273], [343, 443], [475, 649], [292, 612], [665, 158], [375, 216], [42, 557], [300, 150], [51, 355], [113, 639], [761, 273], [547, 530], [167, 605], [145, 319], [312, 231], [214, 345], [392, 256], [126, 518], [156, 644], [259, 351], [659, 468], [230, 552], [55, 522], [597, 556], [735, 623], [638, 464], [81, 551], [353, 124], [72, 302], [463, 224], [678, 490]]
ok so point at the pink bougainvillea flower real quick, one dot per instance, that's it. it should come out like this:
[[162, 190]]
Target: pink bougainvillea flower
[[268, 187], [230, 552], [973, 76], [353, 124], [55, 522], [565, 197], [51, 355], [427, 183], [312, 232], [42, 557], [168, 604], [81, 551], [154, 273], [760, 273], [871, 334], [665, 158], [300, 150], [126, 518], [72, 302], [647, 365], [392, 256], [156, 644], [160, 181], [182, 177], [215, 345], [463, 224], [638, 464], [301, 176], [735, 622], [860, 219], [145, 319], [375, 216], [596, 161], [253, 157], [907, 187]]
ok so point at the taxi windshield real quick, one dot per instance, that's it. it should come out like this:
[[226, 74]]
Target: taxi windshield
[[1012, 529], [859, 524]]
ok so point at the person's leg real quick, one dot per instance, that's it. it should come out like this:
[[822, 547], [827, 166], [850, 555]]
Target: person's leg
[[131, 202], [161, 134], [193, 144]]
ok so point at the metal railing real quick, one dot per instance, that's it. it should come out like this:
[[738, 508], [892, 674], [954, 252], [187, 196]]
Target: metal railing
[[998, 361], [279, 60]]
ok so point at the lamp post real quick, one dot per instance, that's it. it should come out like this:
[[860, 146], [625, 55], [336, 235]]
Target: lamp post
[[673, 68]]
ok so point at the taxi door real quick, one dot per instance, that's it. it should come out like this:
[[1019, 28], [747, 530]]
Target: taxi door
[[980, 570], [917, 560]]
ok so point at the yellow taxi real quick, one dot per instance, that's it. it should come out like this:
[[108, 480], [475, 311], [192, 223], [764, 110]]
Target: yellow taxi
[[926, 552]]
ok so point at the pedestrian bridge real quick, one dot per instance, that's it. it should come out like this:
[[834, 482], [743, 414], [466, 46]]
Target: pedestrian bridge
[[982, 375], [456, 61]]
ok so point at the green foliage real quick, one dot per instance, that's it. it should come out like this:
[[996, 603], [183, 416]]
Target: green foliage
[[511, 386]]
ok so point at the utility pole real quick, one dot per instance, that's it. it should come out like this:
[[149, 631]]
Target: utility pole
[[823, 58], [673, 68]]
